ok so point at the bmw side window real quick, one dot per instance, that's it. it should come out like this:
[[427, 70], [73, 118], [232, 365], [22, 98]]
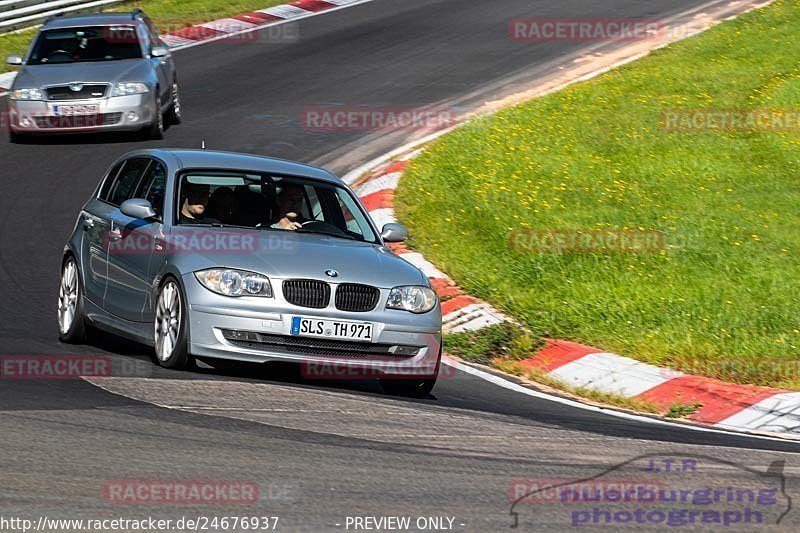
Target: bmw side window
[[126, 181], [109, 181], [153, 186]]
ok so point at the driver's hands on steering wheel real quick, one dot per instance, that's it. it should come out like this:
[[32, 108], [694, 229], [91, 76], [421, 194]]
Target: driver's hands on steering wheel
[[289, 222]]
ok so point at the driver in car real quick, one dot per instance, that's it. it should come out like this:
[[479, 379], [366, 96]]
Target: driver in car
[[288, 204]]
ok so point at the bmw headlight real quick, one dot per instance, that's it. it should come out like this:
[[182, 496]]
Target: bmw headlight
[[27, 94], [413, 298], [230, 282], [127, 89]]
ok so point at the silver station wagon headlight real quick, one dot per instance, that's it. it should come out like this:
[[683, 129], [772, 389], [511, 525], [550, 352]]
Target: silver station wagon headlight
[[27, 94], [231, 282], [412, 298], [127, 89]]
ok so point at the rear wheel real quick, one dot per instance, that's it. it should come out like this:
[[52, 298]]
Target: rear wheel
[[170, 327], [71, 321], [174, 114]]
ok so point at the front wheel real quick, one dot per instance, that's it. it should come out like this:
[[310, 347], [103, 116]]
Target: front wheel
[[71, 321], [170, 327], [155, 131], [17, 138]]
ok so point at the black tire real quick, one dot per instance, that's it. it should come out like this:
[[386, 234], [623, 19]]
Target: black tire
[[76, 333], [17, 138], [414, 388], [155, 132], [174, 115], [178, 358]]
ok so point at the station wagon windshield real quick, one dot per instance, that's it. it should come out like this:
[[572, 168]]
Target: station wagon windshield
[[92, 43]]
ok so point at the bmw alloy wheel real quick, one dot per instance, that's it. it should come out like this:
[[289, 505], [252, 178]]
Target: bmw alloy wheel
[[168, 321], [68, 296]]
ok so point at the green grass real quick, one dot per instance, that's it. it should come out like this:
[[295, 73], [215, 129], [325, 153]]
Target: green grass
[[723, 297], [166, 14]]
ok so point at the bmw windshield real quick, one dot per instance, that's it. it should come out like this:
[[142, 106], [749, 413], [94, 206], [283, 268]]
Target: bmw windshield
[[91, 43], [231, 198]]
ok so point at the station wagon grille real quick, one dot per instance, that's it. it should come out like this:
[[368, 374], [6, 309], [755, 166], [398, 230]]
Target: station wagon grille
[[78, 121], [356, 298], [307, 293], [86, 92]]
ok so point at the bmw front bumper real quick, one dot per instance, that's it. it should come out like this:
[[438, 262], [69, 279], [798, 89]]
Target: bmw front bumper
[[258, 330]]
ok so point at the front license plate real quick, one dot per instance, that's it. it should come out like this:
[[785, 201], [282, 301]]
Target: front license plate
[[72, 110], [331, 329]]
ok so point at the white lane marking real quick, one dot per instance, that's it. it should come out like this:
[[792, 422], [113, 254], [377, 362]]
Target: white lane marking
[[471, 318], [612, 373], [228, 25], [779, 413], [383, 216], [307, 14], [381, 183], [341, 2], [285, 11], [423, 264], [173, 41], [504, 383]]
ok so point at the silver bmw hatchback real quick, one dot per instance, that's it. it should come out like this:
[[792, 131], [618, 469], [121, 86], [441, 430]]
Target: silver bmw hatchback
[[221, 256], [94, 72]]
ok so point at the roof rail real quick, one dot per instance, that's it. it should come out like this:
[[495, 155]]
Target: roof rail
[[137, 12], [53, 17]]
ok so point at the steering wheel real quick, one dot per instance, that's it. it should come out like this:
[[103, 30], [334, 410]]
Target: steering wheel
[[321, 226]]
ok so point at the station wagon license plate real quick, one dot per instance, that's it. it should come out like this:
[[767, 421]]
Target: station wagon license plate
[[73, 110], [331, 329]]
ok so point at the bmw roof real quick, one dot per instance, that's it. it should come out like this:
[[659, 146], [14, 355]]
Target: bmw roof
[[212, 159]]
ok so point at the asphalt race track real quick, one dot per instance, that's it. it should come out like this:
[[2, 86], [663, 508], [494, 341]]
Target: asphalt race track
[[320, 452]]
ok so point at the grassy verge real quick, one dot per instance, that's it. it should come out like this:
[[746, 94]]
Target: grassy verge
[[722, 296], [165, 13]]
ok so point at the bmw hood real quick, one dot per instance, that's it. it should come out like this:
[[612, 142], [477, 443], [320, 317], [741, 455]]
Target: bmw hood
[[286, 255], [112, 72]]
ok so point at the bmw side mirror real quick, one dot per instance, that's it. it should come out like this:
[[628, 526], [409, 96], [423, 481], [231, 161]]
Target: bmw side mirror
[[138, 208], [394, 233], [159, 51], [14, 60]]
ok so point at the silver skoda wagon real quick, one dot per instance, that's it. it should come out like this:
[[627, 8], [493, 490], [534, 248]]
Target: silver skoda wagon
[[222, 256], [94, 72]]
